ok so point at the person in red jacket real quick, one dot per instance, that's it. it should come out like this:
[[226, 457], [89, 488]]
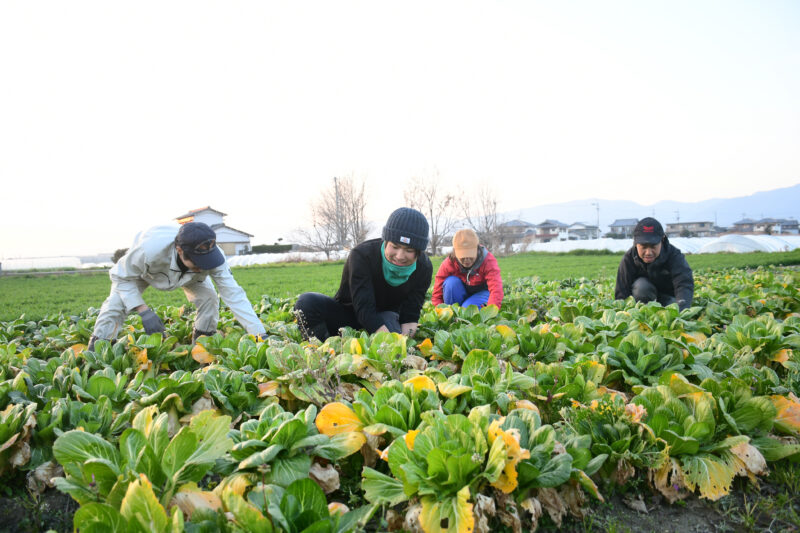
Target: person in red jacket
[[469, 275]]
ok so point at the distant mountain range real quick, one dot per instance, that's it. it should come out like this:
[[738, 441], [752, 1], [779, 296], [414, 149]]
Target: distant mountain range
[[777, 203]]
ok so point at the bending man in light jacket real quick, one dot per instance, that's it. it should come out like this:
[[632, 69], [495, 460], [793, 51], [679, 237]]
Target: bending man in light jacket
[[168, 257]]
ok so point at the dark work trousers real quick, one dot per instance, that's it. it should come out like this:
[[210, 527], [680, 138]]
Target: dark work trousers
[[644, 291], [318, 315]]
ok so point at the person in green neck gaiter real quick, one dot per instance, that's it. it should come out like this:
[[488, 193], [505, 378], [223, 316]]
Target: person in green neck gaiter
[[383, 287]]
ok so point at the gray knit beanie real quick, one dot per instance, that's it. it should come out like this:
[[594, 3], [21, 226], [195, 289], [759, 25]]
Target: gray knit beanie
[[408, 227]]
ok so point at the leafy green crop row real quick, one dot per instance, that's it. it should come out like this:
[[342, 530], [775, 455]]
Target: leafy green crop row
[[488, 417]]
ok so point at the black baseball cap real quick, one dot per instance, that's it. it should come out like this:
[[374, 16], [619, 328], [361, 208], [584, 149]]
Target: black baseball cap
[[648, 231], [199, 243]]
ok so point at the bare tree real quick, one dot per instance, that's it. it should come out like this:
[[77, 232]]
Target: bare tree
[[439, 207], [354, 200], [337, 217], [321, 237], [480, 214]]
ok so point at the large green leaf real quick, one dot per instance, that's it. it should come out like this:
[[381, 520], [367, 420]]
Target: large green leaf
[[139, 456], [99, 518], [141, 508], [79, 446], [262, 457], [100, 386], [391, 417], [381, 489], [679, 444], [774, 449], [290, 432], [195, 448], [304, 504], [555, 472], [480, 363], [245, 515], [286, 470]]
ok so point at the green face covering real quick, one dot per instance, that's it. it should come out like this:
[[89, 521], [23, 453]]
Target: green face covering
[[393, 274]]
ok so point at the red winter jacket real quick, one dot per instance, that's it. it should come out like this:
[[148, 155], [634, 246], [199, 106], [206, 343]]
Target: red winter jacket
[[483, 275]]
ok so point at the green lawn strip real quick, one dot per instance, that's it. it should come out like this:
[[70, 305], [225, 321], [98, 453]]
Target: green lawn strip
[[36, 297]]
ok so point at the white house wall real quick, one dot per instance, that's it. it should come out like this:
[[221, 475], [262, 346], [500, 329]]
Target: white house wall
[[225, 234], [209, 218]]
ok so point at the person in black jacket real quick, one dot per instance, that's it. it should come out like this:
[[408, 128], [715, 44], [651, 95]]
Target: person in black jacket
[[384, 283], [653, 269]]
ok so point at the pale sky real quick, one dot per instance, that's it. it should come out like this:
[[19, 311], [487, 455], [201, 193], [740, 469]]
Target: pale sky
[[117, 116]]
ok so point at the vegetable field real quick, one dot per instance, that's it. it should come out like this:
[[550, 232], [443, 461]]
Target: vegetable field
[[524, 418], [73, 294]]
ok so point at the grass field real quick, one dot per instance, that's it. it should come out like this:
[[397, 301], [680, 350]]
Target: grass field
[[36, 297]]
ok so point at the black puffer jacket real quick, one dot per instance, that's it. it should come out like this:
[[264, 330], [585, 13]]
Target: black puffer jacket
[[670, 273], [364, 288]]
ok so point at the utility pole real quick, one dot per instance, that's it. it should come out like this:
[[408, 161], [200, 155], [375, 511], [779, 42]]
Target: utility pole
[[596, 205], [677, 216]]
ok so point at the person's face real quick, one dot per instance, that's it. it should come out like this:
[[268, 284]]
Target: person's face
[[400, 255], [468, 259], [648, 252], [186, 261]]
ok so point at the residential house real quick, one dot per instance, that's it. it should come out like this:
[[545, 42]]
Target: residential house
[[691, 229], [623, 227], [773, 226], [580, 231], [550, 230], [231, 241], [744, 226], [516, 230], [787, 225]]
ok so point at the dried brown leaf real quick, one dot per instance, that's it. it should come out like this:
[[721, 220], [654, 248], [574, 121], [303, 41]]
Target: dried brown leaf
[[483, 509], [327, 477], [552, 503], [411, 522]]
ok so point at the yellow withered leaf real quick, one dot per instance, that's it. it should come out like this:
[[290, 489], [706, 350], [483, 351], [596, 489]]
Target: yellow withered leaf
[[602, 390], [525, 404], [336, 418], [201, 355], [507, 481], [78, 348], [451, 390], [455, 512], [695, 337], [782, 356], [788, 418], [190, 498], [410, 437], [444, 313], [709, 474], [349, 443], [237, 483], [270, 388], [426, 347], [545, 328], [141, 359], [421, 382], [355, 347], [505, 331]]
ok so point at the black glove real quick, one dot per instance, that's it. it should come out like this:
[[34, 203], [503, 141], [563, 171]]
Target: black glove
[[151, 322], [196, 334]]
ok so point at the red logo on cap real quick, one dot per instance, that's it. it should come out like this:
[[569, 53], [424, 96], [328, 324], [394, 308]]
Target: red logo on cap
[[647, 229]]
